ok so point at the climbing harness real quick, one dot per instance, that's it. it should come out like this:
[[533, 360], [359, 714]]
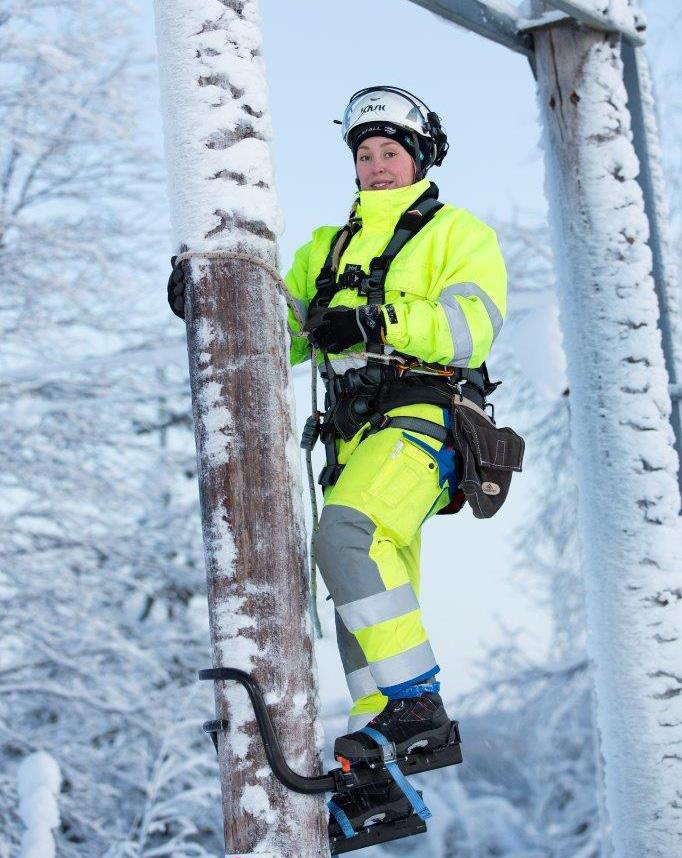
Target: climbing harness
[[372, 286], [350, 776]]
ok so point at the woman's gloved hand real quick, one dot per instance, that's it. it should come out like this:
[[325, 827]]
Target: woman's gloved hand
[[338, 328], [176, 289]]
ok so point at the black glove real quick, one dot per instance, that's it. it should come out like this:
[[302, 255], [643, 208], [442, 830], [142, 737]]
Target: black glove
[[176, 289], [339, 328]]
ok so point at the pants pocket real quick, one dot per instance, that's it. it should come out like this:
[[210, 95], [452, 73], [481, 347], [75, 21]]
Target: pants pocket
[[403, 490]]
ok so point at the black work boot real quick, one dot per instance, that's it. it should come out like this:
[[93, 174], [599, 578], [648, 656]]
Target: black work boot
[[369, 805], [412, 724]]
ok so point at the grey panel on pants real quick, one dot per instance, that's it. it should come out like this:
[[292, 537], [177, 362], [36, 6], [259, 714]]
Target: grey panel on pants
[[361, 683], [342, 545], [352, 657]]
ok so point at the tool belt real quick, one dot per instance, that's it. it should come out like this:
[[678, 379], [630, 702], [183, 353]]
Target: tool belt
[[487, 454]]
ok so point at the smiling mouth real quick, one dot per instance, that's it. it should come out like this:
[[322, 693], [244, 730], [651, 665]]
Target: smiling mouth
[[378, 185]]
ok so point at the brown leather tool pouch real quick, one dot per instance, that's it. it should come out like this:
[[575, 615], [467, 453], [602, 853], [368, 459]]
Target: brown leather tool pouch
[[489, 456]]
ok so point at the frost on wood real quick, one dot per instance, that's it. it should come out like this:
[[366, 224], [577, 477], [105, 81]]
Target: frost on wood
[[620, 16], [216, 124], [670, 286], [626, 465]]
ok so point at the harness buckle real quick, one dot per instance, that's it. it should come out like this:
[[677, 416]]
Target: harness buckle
[[389, 753], [402, 367], [325, 278], [379, 263], [410, 220], [311, 432], [352, 278], [379, 421]]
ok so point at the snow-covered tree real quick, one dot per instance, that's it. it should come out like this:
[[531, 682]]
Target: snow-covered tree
[[103, 627]]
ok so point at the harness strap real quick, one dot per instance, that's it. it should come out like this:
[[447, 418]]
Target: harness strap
[[409, 225], [390, 761], [413, 220], [415, 424], [332, 469], [372, 285], [325, 284]]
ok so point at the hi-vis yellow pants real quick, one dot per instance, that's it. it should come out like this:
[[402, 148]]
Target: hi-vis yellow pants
[[368, 552]]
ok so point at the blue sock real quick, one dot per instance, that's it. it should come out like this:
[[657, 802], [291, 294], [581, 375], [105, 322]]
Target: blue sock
[[416, 690]]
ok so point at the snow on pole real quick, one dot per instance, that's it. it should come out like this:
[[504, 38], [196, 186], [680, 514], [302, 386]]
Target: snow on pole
[[620, 408], [217, 127], [39, 782], [646, 139]]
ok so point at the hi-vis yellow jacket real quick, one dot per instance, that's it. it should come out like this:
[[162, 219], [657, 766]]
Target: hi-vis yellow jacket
[[447, 286]]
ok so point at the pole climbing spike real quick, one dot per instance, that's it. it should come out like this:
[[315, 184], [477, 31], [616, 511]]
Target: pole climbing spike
[[389, 774]]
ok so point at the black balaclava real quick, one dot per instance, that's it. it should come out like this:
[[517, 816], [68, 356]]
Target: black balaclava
[[409, 140]]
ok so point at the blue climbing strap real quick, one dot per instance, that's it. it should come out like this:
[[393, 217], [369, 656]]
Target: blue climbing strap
[[389, 757], [342, 819]]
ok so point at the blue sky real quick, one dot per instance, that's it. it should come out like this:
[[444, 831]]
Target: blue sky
[[319, 53]]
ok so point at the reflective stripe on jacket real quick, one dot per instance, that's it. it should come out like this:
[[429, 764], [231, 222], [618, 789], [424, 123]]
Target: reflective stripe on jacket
[[447, 287]]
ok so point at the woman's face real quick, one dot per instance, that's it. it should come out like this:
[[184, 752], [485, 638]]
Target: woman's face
[[382, 163]]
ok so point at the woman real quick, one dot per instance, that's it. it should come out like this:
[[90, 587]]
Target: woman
[[443, 301], [418, 289]]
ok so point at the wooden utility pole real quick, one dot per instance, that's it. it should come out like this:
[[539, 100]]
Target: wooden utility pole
[[620, 407], [216, 122], [647, 143]]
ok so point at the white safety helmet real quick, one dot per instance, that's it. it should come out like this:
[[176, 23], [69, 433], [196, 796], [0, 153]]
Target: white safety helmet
[[393, 112]]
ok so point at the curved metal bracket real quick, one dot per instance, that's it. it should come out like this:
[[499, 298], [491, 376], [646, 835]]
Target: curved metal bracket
[[273, 750], [337, 780]]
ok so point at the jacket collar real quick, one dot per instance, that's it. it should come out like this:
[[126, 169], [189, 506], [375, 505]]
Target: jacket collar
[[380, 211]]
